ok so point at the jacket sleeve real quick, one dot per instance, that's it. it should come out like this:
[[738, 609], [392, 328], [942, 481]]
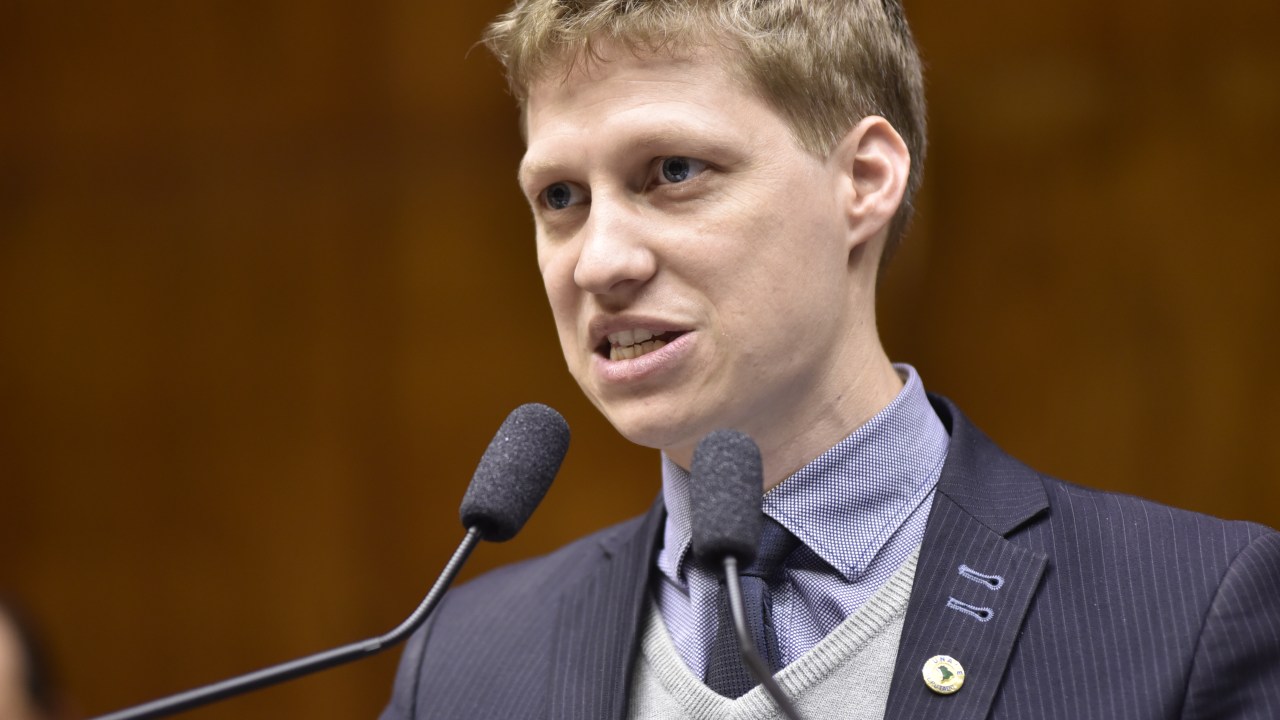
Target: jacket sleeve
[[1235, 672]]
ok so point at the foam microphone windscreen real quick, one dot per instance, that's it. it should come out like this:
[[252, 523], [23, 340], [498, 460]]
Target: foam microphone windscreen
[[515, 471], [727, 492]]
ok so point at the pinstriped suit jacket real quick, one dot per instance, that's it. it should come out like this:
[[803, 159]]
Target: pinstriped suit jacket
[[1107, 607]]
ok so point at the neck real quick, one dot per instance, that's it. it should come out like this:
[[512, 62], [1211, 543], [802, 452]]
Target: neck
[[793, 437], [784, 453]]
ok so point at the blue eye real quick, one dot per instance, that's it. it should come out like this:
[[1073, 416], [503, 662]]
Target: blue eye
[[677, 169], [561, 195]]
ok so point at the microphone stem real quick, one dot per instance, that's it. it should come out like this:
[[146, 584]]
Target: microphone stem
[[451, 568], [312, 663], [759, 670]]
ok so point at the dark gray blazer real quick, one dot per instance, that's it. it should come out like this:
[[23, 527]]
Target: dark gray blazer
[[1107, 606]]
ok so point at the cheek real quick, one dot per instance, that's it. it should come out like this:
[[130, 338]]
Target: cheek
[[562, 296], [556, 266], [781, 280], [775, 253]]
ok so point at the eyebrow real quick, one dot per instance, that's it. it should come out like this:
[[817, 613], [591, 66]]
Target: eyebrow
[[536, 168]]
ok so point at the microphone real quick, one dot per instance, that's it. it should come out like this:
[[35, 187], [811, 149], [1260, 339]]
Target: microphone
[[515, 472], [726, 483], [513, 476]]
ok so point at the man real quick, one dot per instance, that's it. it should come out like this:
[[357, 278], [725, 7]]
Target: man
[[714, 187], [26, 692]]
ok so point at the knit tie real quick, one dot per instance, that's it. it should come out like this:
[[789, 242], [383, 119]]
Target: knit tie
[[726, 674]]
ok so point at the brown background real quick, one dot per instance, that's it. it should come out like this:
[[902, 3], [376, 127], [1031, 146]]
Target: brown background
[[267, 288]]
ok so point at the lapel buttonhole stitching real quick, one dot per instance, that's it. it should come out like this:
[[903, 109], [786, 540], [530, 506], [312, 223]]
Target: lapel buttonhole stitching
[[991, 582], [981, 614]]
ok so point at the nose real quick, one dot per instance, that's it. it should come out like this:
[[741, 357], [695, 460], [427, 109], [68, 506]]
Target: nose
[[615, 257]]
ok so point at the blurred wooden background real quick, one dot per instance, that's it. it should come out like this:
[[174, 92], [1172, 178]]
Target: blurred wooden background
[[267, 288]]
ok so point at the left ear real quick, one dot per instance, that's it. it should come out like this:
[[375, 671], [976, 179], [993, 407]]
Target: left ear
[[873, 163]]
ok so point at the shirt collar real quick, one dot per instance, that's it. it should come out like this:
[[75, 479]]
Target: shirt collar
[[846, 503]]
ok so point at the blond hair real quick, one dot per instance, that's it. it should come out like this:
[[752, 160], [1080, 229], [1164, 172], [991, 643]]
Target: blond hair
[[821, 64]]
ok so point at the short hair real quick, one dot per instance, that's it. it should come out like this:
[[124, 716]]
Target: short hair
[[823, 65]]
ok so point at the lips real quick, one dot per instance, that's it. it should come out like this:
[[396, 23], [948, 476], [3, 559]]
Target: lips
[[634, 353], [631, 344]]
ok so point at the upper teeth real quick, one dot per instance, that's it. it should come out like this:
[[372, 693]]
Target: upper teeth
[[631, 344], [624, 338]]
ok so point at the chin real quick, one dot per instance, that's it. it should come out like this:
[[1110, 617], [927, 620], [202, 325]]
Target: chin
[[653, 427]]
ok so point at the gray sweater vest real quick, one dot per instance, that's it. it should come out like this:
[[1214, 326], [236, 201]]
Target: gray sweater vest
[[846, 675]]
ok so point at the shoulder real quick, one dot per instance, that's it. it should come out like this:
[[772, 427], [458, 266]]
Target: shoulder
[[1125, 558], [1119, 558], [546, 575], [1165, 557], [1159, 587], [484, 652], [1137, 521], [1064, 518], [1129, 588]]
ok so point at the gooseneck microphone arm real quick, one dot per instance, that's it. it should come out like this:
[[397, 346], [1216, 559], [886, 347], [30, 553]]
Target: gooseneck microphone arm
[[312, 663], [513, 476], [759, 670]]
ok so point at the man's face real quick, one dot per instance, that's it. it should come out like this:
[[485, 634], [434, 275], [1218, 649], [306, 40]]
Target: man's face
[[697, 260]]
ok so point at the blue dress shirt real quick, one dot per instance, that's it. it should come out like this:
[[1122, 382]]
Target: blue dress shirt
[[859, 510]]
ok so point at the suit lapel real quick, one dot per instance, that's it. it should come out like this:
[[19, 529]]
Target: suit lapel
[[983, 495], [973, 586], [598, 626]]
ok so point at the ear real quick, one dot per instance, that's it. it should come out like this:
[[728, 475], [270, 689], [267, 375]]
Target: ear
[[873, 163]]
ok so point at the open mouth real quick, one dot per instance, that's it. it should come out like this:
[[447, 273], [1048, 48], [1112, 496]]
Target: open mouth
[[631, 344]]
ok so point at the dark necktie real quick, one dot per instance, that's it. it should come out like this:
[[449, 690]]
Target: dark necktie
[[726, 674]]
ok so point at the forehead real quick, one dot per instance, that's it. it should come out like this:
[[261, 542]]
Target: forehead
[[638, 98]]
